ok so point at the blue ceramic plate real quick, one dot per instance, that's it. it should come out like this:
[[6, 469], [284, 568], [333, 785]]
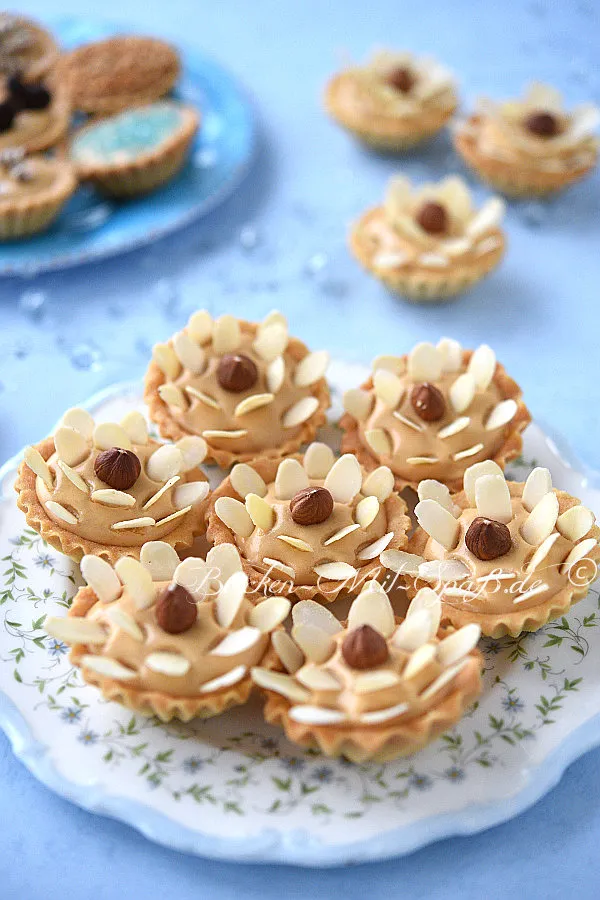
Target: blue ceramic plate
[[91, 227]]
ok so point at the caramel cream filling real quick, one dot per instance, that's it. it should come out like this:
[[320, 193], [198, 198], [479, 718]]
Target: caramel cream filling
[[509, 142], [365, 92], [41, 175]]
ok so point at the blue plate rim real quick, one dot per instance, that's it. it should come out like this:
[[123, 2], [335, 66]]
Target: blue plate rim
[[296, 847]]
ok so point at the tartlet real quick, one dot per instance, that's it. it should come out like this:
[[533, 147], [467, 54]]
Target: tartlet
[[25, 47], [378, 687], [394, 101], [119, 72], [431, 243], [529, 147], [249, 389], [309, 526], [107, 489], [506, 556], [33, 115], [32, 194], [433, 413], [137, 150], [168, 638]]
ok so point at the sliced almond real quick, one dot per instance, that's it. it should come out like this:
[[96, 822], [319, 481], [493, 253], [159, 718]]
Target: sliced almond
[[195, 576], [358, 403], [487, 467], [542, 552], [379, 680], [462, 392], [261, 512], [438, 523], [578, 552], [367, 511], [134, 425], [421, 657], [112, 497], [309, 612], [424, 363], [376, 716], [237, 642], [235, 515], [271, 341], [226, 335], [492, 498], [372, 607], [394, 364], [316, 715], [388, 388], [422, 460], [204, 398], [438, 571], [335, 571], [108, 435], [532, 592], [162, 491], [160, 559], [315, 643], [288, 651], [575, 522], [75, 630], [291, 477], [372, 551], [245, 480], [216, 434], [280, 684], [501, 415], [482, 366], [275, 374], [340, 535], [275, 317], [101, 577], [400, 562], [165, 358], [228, 679], [173, 396], [317, 679], [300, 412], [189, 494], [58, 510], [125, 622], [254, 401], [414, 631], [269, 614], [379, 483], [442, 680], [193, 450], [165, 663], [137, 580], [451, 354], [538, 484], [164, 463], [408, 422], [71, 446], [174, 515], [280, 566], [38, 465], [200, 326], [80, 420], [189, 353], [489, 216], [430, 601], [344, 479], [224, 560], [458, 645], [454, 427], [296, 543], [430, 489], [73, 477], [311, 369], [318, 460], [131, 524], [230, 598], [541, 520], [108, 668]]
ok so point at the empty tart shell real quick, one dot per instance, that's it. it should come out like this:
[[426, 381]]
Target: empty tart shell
[[27, 214]]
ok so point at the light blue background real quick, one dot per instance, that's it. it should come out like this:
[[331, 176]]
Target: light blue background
[[539, 311]]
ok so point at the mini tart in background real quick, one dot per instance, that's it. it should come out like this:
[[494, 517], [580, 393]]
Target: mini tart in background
[[394, 101], [249, 389], [309, 526], [25, 47], [32, 193], [431, 243], [507, 556], [168, 638], [108, 488], [33, 115], [119, 72], [376, 688], [433, 413], [135, 151], [530, 147]]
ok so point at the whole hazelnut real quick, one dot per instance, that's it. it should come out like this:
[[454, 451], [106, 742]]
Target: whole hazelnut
[[311, 506], [488, 539], [236, 373], [433, 218], [118, 468], [176, 609], [428, 402], [542, 124], [365, 648], [402, 79]]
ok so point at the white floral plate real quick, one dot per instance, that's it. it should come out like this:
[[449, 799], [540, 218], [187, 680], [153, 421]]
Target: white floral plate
[[233, 787]]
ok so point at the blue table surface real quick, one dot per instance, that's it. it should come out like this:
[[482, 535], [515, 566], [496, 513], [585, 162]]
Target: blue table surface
[[280, 242]]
